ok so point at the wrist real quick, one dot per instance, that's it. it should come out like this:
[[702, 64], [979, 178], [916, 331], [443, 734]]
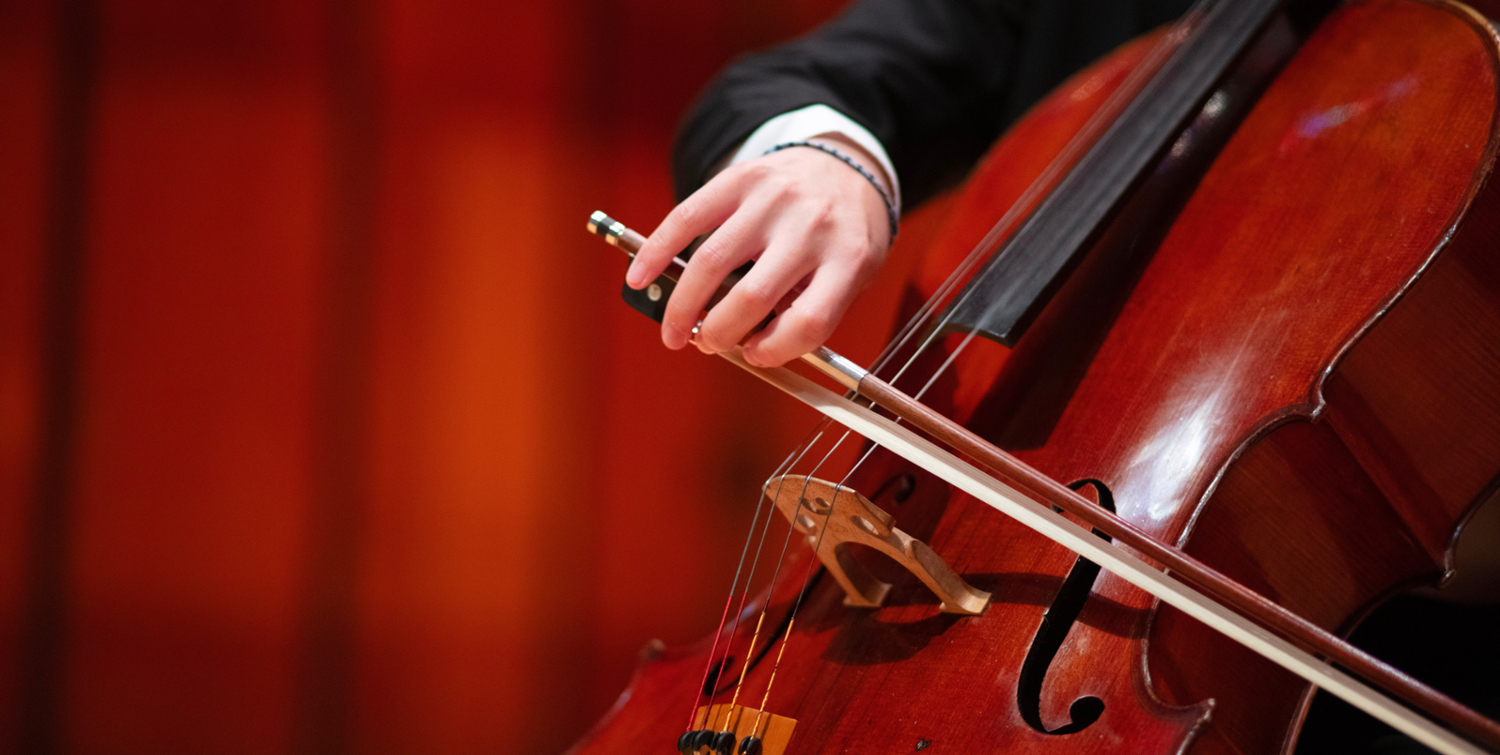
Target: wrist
[[812, 122], [860, 155], [829, 145]]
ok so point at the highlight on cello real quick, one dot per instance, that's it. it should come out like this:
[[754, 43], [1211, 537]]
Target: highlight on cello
[[1199, 371]]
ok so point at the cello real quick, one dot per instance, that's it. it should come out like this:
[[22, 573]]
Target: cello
[[1268, 349]]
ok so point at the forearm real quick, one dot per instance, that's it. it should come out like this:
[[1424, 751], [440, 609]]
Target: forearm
[[934, 81]]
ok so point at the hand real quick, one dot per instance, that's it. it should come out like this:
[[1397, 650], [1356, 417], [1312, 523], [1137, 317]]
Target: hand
[[817, 230]]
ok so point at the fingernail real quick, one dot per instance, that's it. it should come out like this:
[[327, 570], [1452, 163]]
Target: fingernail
[[696, 336], [673, 337], [632, 274]]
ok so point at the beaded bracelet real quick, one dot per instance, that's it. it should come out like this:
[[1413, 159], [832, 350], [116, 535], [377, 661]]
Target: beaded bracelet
[[890, 205]]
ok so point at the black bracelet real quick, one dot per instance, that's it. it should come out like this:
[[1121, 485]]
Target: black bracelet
[[890, 205]]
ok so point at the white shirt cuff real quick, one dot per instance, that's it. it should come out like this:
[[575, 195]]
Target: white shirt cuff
[[812, 121]]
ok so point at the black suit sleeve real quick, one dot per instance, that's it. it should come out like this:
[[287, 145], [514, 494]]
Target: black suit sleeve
[[936, 81]]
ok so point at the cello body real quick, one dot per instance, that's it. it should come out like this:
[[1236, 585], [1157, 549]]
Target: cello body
[[1292, 373]]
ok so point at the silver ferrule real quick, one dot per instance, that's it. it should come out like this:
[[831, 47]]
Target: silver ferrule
[[828, 362], [615, 233], [598, 220]]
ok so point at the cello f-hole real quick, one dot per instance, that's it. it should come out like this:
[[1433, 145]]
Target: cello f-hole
[[1056, 623]]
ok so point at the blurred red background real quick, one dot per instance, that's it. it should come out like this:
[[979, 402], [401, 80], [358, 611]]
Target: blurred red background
[[322, 426]]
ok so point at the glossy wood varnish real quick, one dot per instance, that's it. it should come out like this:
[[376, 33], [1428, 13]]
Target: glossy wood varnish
[[1297, 391]]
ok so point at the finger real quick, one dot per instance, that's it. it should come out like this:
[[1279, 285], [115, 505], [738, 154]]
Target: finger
[[706, 209], [809, 321], [775, 273], [739, 239]]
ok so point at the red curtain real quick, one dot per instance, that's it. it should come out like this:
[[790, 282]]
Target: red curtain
[[322, 426]]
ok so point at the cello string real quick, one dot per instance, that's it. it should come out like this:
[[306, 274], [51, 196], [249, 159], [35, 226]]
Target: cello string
[[1086, 136], [780, 561], [786, 463], [1067, 158], [1077, 146], [797, 603], [759, 549], [782, 471], [792, 615], [812, 562]]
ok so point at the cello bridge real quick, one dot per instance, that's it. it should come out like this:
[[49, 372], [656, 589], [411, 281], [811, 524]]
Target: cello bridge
[[833, 517]]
